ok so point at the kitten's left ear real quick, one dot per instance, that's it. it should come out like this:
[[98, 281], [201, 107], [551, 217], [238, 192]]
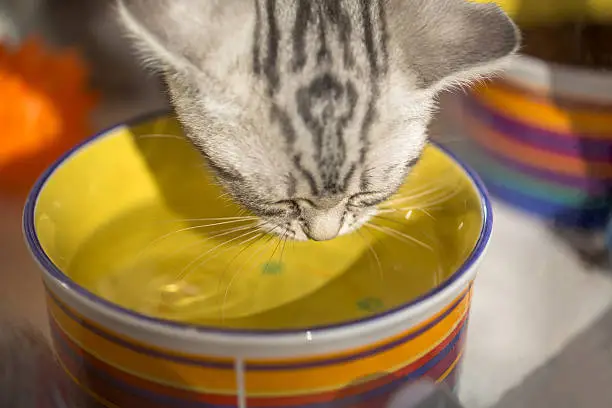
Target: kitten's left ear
[[446, 41], [179, 33]]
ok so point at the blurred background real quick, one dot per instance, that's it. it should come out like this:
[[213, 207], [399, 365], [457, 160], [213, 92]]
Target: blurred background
[[540, 136]]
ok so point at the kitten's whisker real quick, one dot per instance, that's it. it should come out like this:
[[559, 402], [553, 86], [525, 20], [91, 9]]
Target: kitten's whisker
[[427, 204], [425, 188], [440, 200], [215, 219], [398, 235], [427, 213], [439, 275], [222, 234], [185, 270], [415, 196], [160, 136], [224, 196], [382, 216], [220, 251], [193, 227], [430, 184], [280, 240], [250, 241], [286, 236], [403, 194], [240, 252], [389, 220], [374, 255], [238, 272], [165, 236]]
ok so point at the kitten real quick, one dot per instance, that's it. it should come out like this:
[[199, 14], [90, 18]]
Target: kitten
[[312, 112]]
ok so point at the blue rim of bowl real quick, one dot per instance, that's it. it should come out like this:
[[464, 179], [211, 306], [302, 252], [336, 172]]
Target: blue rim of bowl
[[40, 255]]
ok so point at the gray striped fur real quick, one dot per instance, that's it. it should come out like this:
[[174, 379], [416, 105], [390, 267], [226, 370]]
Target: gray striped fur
[[312, 112]]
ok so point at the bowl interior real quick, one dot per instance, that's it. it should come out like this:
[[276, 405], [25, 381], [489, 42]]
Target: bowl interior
[[135, 218]]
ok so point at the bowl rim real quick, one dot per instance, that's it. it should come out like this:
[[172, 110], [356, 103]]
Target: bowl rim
[[49, 268], [587, 86]]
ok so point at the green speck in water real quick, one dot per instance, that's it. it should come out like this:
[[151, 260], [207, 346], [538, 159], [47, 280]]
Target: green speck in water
[[272, 268], [370, 304]]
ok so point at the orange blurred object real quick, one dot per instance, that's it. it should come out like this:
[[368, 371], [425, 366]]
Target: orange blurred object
[[45, 108]]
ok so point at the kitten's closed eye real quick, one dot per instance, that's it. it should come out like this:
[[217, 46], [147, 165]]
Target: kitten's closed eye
[[368, 199], [318, 107]]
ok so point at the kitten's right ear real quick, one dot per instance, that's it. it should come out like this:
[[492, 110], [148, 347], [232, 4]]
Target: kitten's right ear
[[177, 33], [448, 41]]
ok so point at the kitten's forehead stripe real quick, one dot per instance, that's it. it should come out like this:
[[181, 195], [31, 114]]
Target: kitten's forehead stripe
[[303, 18], [291, 185], [271, 68], [324, 15], [257, 40], [369, 36], [375, 73], [348, 177], [297, 161], [280, 115], [322, 55], [384, 37], [321, 107]]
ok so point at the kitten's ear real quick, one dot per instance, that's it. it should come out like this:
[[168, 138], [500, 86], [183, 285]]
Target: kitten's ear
[[446, 41], [177, 32]]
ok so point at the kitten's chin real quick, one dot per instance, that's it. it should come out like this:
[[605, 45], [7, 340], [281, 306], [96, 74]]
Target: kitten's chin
[[292, 230]]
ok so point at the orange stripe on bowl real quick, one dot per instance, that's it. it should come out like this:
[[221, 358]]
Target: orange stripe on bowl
[[545, 114], [94, 367], [327, 378], [261, 377], [357, 353], [534, 157], [172, 355], [145, 347], [429, 366], [544, 95], [170, 373]]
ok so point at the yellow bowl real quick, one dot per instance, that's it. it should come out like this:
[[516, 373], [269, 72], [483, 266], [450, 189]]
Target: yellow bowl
[[160, 295]]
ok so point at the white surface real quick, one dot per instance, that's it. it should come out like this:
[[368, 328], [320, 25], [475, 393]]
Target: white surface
[[531, 297]]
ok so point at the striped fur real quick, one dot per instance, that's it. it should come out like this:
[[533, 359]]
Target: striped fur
[[312, 112]]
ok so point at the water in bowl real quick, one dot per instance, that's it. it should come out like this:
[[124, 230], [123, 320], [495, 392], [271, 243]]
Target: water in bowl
[[176, 249], [224, 272]]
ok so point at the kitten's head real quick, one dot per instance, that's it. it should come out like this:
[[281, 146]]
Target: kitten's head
[[312, 112]]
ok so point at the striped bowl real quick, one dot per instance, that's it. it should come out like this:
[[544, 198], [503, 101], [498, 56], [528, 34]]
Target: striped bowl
[[545, 134], [609, 241], [121, 358]]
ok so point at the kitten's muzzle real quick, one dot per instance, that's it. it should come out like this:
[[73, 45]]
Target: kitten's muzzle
[[322, 225]]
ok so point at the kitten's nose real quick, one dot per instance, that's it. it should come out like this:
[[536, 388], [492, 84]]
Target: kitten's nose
[[321, 230], [323, 223]]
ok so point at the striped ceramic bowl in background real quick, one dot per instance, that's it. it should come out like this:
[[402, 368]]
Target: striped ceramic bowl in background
[[545, 138], [609, 241]]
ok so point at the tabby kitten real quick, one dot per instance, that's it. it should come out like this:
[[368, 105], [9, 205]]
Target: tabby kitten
[[312, 112]]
